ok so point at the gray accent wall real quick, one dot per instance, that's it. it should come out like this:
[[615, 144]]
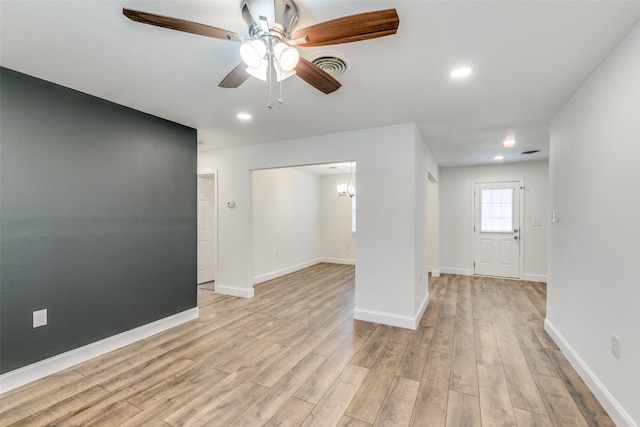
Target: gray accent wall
[[97, 218]]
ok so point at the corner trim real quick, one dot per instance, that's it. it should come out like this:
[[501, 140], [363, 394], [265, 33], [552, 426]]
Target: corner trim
[[534, 277], [281, 272], [391, 319], [617, 413], [435, 273], [234, 291], [421, 310], [35, 371], [454, 270]]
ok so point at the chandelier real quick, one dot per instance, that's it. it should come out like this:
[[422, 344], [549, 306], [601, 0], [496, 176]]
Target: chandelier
[[347, 189]]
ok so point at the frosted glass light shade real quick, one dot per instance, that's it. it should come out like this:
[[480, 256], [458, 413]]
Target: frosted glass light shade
[[286, 56], [259, 72], [253, 52], [282, 74]]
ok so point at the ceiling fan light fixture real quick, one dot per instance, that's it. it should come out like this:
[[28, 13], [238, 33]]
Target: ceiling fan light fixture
[[259, 72], [271, 22], [253, 52], [287, 56], [283, 74]]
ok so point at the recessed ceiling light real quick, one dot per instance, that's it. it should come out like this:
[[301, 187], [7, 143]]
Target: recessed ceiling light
[[244, 116], [460, 73], [509, 141], [498, 158]]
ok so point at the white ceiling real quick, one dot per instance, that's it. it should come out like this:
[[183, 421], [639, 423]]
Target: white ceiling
[[528, 58]]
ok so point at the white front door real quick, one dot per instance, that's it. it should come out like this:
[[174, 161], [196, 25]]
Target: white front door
[[206, 229], [497, 236]]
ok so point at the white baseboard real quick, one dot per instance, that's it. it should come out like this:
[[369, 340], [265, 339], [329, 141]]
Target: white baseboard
[[534, 277], [391, 319], [617, 413], [454, 270], [347, 261], [234, 291], [35, 371], [281, 272], [421, 310]]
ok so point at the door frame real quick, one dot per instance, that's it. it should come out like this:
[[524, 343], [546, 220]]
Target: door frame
[[214, 175], [520, 221]]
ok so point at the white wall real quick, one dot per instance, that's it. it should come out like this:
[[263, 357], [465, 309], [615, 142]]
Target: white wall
[[337, 242], [593, 288], [286, 222], [386, 268], [456, 219]]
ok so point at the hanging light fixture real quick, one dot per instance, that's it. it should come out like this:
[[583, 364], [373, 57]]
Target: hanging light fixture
[[270, 48], [256, 54], [347, 189]]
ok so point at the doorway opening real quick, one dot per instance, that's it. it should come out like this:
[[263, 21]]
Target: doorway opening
[[207, 231], [299, 219]]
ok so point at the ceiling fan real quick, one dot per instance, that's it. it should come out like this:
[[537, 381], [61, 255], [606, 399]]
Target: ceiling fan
[[272, 41]]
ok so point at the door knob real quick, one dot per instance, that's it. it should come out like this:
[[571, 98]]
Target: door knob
[[515, 231], [515, 237]]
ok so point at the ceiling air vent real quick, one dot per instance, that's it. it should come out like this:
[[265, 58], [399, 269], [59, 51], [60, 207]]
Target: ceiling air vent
[[530, 152], [331, 62]]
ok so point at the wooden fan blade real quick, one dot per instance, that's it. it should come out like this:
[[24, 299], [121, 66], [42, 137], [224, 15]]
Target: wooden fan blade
[[181, 25], [316, 77], [351, 28], [236, 77]]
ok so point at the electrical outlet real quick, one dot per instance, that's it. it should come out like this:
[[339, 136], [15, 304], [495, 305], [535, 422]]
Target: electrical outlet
[[555, 217], [39, 318], [615, 345]]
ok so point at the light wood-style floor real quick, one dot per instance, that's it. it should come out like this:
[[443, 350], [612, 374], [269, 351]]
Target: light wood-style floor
[[293, 355]]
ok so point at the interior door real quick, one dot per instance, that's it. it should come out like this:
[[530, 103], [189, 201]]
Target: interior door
[[497, 236], [206, 229]]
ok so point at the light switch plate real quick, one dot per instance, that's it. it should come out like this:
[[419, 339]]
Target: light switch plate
[[39, 318]]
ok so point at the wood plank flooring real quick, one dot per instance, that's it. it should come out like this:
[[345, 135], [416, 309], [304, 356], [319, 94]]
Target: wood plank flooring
[[293, 355]]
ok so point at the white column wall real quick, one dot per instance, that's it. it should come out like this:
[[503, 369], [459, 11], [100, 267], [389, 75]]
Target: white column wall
[[593, 288], [425, 165], [386, 216]]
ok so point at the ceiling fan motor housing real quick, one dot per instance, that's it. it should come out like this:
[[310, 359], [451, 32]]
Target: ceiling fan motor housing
[[281, 16]]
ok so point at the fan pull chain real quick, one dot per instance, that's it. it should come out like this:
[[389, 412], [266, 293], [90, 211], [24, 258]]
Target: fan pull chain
[[280, 100]]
